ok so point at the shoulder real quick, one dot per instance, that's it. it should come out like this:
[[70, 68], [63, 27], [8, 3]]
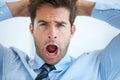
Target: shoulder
[[13, 54]]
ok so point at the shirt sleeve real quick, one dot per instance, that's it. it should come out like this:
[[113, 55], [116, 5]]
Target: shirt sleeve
[[110, 60], [1, 62], [7, 56], [103, 5], [108, 12], [4, 11]]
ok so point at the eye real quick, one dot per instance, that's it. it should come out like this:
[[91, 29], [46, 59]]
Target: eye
[[42, 23], [60, 25]]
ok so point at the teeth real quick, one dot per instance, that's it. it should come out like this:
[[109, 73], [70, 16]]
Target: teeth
[[51, 53]]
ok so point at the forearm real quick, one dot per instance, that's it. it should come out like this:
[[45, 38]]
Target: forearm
[[4, 11], [19, 8], [84, 7]]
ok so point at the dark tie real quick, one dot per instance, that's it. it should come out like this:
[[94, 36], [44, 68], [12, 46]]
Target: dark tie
[[45, 69]]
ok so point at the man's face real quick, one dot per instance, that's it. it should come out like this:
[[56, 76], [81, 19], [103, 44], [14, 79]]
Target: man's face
[[52, 32]]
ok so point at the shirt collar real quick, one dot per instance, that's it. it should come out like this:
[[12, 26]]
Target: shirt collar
[[37, 62], [65, 62]]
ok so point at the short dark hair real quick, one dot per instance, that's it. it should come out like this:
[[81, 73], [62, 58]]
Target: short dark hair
[[69, 4]]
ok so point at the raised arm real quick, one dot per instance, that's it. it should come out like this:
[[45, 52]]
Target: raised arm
[[19, 8], [13, 9], [108, 12], [84, 7]]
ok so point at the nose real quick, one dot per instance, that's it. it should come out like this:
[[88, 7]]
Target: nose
[[52, 34]]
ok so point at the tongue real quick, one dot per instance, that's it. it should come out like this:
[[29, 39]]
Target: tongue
[[51, 48]]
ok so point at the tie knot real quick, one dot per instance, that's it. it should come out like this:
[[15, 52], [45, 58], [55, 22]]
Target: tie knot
[[48, 67], [45, 69]]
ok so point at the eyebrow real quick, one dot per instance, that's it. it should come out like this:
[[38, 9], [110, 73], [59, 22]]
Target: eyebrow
[[60, 22], [41, 21]]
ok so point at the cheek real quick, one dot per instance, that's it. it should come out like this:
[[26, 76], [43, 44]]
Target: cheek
[[67, 35], [65, 38], [38, 34], [39, 38]]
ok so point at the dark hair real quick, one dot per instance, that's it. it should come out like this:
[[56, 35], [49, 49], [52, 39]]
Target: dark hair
[[69, 4]]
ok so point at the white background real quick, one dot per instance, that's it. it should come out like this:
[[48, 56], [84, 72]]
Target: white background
[[91, 34]]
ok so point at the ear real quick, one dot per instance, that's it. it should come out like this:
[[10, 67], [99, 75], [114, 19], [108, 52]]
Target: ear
[[73, 29], [31, 28]]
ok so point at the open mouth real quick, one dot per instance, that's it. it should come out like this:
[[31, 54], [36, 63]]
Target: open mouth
[[51, 49]]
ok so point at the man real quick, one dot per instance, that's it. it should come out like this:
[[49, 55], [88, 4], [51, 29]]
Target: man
[[51, 35], [49, 30]]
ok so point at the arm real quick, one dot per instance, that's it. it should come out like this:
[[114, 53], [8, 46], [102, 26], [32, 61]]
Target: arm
[[84, 7], [110, 56], [13, 9], [108, 12], [19, 8], [110, 60]]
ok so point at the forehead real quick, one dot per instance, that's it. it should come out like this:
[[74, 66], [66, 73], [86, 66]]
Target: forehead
[[49, 12]]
